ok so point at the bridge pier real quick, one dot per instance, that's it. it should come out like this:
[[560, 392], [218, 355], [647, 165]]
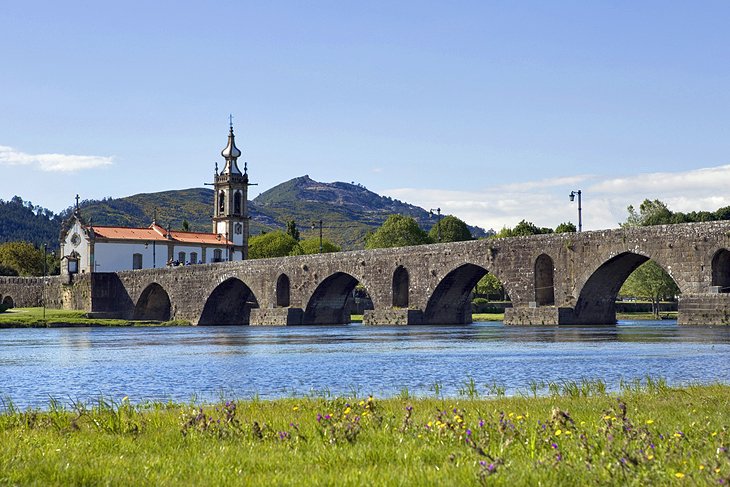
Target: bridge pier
[[392, 316], [704, 309], [276, 317], [530, 315]]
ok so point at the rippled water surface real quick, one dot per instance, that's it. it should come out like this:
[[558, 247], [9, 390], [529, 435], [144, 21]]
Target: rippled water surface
[[239, 362]]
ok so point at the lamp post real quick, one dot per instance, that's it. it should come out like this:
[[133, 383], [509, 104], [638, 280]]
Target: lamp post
[[43, 289], [438, 222], [314, 225], [580, 209]]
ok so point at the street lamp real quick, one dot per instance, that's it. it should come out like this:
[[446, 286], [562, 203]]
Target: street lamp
[[580, 209], [314, 225], [43, 289], [438, 222]]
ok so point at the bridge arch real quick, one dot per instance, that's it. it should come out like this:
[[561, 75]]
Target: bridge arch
[[331, 301], [544, 280], [721, 270], [596, 303], [8, 302], [230, 303], [449, 303], [401, 282], [153, 304], [283, 291]]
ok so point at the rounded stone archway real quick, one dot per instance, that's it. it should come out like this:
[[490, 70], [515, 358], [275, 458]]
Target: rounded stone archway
[[283, 291], [721, 270], [230, 303], [332, 300], [596, 303], [153, 304], [544, 283], [401, 281], [449, 304]]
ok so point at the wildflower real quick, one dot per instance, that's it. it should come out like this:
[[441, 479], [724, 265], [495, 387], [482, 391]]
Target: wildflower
[[568, 432], [347, 411], [650, 457], [295, 408], [702, 467], [679, 475], [558, 432], [678, 434], [429, 424], [319, 418], [519, 417], [481, 423], [554, 445], [361, 403], [649, 421], [468, 432]]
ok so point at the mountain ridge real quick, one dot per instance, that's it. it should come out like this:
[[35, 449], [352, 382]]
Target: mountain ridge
[[348, 211]]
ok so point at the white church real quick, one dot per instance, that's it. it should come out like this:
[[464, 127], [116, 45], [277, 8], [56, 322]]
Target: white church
[[88, 248]]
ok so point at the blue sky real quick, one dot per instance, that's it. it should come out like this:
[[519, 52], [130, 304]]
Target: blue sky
[[493, 111]]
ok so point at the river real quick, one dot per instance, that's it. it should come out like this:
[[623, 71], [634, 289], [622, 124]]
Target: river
[[209, 363]]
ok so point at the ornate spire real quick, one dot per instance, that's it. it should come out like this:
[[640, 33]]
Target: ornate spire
[[230, 154]]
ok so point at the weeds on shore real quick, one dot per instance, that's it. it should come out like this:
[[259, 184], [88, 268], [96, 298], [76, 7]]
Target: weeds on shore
[[578, 434]]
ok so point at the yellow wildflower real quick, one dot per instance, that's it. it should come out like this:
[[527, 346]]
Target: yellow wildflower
[[295, 408], [702, 467], [677, 435], [568, 432], [649, 421], [558, 432], [650, 457], [511, 414], [347, 411], [679, 475], [519, 417], [607, 417]]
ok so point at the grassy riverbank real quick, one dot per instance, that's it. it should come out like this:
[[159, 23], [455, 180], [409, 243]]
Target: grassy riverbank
[[577, 436], [34, 318]]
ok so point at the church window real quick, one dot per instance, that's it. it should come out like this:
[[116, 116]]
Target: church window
[[181, 257], [222, 202], [237, 203], [193, 257], [136, 261], [217, 255], [238, 229]]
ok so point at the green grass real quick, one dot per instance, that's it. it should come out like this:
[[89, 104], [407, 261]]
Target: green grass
[[577, 435], [33, 317]]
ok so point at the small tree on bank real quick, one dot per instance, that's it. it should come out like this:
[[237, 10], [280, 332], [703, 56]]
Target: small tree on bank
[[397, 231]]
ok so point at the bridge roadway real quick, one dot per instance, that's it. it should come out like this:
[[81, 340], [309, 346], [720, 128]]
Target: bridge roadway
[[570, 278]]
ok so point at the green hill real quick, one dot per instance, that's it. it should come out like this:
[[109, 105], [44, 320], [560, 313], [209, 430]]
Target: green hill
[[348, 211]]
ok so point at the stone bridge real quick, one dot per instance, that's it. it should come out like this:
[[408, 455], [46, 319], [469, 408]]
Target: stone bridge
[[570, 278]]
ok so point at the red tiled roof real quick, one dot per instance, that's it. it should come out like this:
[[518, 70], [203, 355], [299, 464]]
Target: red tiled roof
[[158, 233]]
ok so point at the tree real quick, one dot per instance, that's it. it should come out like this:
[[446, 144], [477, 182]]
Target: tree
[[311, 246], [292, 230], [272, 244], [650, 213], [490, 286], [524, 228], [24, 258], [649, 281], [185, 226], [451, 229], [565, 228], [397, 231]]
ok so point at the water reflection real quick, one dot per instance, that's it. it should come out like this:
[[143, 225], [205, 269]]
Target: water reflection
[[238, 361]]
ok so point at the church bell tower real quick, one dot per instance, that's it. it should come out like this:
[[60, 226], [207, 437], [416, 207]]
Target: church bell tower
[[230, 212]]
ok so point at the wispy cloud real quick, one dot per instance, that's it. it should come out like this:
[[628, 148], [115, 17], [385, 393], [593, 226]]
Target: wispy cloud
[[546, 203], [51, 162]]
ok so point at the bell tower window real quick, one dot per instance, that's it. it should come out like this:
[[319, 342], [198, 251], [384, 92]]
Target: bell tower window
[[237, 203], [222, 202]]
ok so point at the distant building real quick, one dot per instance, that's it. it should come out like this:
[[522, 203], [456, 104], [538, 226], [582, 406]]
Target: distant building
[[89, 248]]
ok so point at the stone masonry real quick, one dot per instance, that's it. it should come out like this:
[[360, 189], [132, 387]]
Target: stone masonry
[[565, 278]]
